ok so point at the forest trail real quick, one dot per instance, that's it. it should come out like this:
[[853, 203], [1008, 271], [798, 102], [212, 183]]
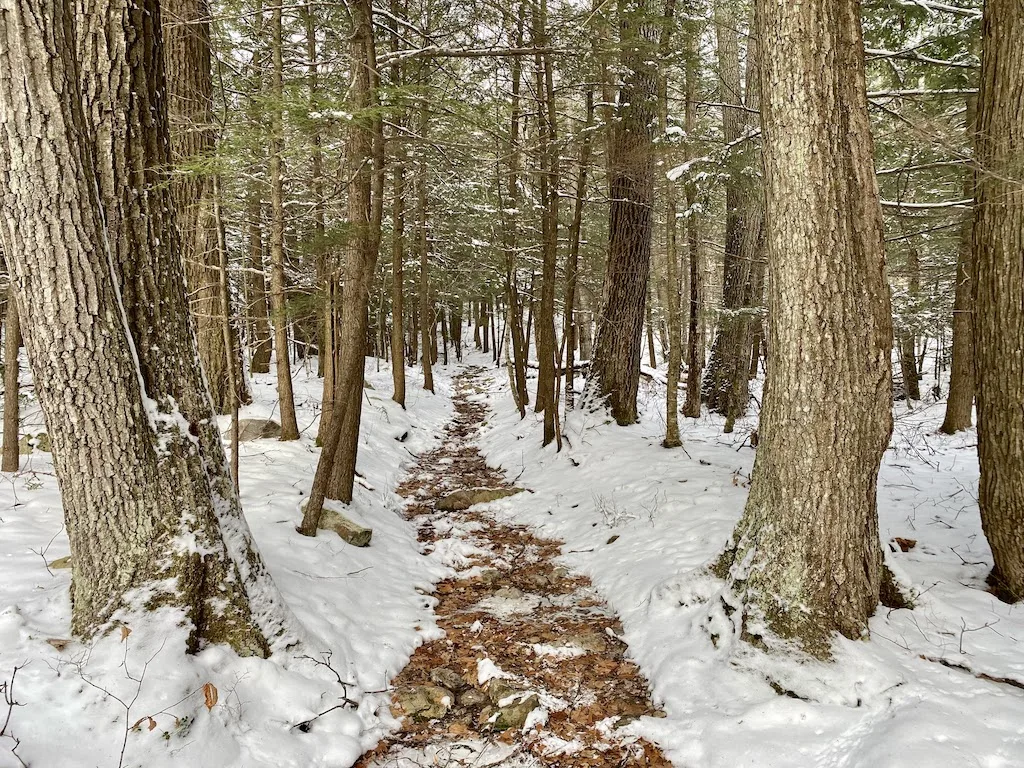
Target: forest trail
[[531, 671]]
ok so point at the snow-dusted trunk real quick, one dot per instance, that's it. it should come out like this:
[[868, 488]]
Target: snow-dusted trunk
[[960, 402], [999, 292], [278, 280], [725, 381], [136, 447], [615, 370], [805, 556]]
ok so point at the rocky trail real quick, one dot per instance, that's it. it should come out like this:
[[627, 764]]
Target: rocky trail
[[532, 670]]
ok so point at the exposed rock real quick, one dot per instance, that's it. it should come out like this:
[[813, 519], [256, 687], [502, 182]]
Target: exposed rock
[[422, 702], [498, 690], [509, 593], [40, 442], [514, 715], [473, 698], [457, 501], [257, 429], [448, 678], [352, 532]]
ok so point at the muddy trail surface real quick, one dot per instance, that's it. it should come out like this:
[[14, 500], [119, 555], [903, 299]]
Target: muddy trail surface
[[532, 670]]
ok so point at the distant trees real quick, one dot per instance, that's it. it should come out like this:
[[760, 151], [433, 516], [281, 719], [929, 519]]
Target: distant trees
[[806, 556], [999, 293]]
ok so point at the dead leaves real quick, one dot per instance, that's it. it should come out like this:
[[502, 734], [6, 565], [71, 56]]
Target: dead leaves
[[590, 687], [209, 695]]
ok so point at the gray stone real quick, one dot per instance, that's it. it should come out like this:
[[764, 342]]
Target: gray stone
[[458, 501], [509, 593], [257, 429], [448, 678], [515, 714], [39, 442], [499, 690], [422, 702], [473, 698], [352, 532]]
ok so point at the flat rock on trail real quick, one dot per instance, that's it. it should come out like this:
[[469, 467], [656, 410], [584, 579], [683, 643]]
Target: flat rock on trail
[[532, 670]]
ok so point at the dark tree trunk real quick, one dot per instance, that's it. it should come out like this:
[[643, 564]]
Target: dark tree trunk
[[12, 406], [615, 370], [960, 402], [999, 293]]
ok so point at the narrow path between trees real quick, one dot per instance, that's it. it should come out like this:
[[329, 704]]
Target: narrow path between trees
[[531, 671]]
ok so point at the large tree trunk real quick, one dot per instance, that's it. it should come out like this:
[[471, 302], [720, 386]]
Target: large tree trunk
[[90, 219], [335, 471], [12, 406], [278, 282], [806, 557], [960, 402], [999, 293], [615, 371]]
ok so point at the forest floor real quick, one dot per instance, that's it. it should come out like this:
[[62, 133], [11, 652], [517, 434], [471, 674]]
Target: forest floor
[[531, 669], [587, 590]]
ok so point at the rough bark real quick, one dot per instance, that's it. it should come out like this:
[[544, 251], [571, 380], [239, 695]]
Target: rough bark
[[91, 219], [278, 281], [615, 370], [805, 557], [694, 337], [675, 330], [960, 401], [999, 293], [427, 324]]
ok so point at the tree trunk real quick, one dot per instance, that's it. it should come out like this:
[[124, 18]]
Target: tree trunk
[[615, 370], [694, 341], [999, 293], [278, 282], [423, 250], [548, 192], [805, 558], [186, 29], [725, 387], [572, 264], [135, 486], [12, 406], [335, 471], [960, 401], [397, 279], [675, 331]]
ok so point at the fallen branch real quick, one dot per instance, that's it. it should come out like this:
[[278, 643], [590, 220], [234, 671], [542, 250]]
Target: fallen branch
[[980, 675]]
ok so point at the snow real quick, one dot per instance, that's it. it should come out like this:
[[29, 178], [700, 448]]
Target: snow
[[641, 521], [364, 611], [879, 703]]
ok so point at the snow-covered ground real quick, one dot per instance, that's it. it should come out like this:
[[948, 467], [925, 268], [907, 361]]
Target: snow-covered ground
[[364, 611], [669, 512]]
